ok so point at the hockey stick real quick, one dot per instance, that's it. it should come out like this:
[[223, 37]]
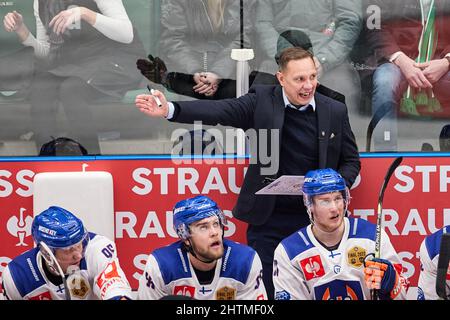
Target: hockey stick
[[444, 138], [442, 268], [51, 260], [379, 114], [394, 165]]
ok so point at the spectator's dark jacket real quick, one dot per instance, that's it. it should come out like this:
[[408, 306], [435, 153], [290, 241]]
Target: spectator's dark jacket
[[188, 43]]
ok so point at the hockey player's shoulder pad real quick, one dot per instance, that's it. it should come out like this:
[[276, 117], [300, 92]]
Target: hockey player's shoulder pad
[[360, 228], [433, 242], [297, 243], [173, 262], [25, 272], [237, 261]]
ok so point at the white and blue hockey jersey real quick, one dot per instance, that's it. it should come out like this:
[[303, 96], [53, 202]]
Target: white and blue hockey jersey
[[238, 275], [99, 276], [305, 270], [429, 257]]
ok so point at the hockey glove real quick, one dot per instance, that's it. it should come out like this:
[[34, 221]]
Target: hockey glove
[[154, 69], [380, 274]]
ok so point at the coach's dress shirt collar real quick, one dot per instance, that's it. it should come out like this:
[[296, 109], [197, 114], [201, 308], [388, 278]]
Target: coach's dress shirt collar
[[287, 104]]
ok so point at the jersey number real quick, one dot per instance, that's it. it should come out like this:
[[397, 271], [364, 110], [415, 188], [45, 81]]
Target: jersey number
[[108, 251]]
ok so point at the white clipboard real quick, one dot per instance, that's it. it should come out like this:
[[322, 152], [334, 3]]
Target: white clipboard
[[284, 185]]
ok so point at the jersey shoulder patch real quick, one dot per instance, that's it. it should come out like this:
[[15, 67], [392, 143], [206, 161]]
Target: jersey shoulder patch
[[360, 228], [25, 272], [433, 242], [173, 262], [237, 261], [297, 243]]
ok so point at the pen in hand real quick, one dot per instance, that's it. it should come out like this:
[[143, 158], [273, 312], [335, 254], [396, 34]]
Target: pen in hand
[[152, 92]]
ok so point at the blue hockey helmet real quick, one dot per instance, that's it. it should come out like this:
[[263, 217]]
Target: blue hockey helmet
[[194, 209], [58, 228], [323, 181]]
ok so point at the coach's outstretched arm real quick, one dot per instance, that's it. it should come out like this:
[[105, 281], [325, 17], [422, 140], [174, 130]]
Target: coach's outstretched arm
[[147, 104]]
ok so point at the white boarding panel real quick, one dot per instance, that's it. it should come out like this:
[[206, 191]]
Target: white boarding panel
[[88, 195]]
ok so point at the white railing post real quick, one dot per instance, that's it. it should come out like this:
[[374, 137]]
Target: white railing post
[[241, 56]]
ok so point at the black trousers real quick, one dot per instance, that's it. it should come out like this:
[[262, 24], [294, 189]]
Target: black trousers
[[75, 95], [265, 238]]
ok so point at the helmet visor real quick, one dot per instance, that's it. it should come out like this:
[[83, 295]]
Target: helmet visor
[[183, 229], [80, 245]]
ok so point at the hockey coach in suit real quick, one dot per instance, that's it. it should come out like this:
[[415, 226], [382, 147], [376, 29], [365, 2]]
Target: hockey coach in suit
[[310, 131]]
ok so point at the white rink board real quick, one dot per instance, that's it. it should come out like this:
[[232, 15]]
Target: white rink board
[[89, 195]]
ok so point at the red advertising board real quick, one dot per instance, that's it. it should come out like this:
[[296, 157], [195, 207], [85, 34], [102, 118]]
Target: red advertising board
[[416, 201]]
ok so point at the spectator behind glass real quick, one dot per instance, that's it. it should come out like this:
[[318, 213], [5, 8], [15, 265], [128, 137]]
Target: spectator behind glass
[[86, 50], [196, 41], [407, 78], [62, 146], [333, 27], [154, 69]]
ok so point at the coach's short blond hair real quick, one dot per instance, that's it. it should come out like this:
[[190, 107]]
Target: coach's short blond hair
[[294, 53]]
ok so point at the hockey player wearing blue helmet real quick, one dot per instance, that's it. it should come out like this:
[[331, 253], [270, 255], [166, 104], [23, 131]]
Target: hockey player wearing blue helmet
[[67, 263], [202, 264], [325, 260], [431, 250]]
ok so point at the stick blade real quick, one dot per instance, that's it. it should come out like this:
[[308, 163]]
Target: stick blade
[[379, 114]]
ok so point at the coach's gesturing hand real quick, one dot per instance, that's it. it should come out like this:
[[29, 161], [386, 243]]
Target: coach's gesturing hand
[[147, 104]]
